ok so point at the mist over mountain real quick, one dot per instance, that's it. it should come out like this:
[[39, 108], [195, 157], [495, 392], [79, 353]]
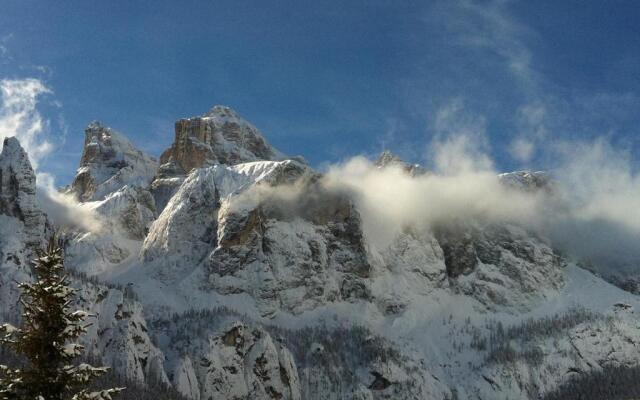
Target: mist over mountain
[[228, 269]]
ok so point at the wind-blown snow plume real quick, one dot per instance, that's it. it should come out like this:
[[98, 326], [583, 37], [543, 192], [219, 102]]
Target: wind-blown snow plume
[[600, 183], [20, 117], [591, 207], [63, 208], [464, 186], [595, 213]]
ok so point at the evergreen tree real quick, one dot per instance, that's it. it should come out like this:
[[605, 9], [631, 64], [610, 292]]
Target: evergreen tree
[[47, 337]]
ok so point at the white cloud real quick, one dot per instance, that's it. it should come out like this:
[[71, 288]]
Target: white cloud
[[460, 143], [522, 149], [464, 187], [600, 182], [5, 56], [488, 26], [64, 209], [19, 116], [592, 211]]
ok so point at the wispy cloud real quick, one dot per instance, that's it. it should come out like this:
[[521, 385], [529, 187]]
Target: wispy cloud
[[5, 55], [489, 27], [20, 117]]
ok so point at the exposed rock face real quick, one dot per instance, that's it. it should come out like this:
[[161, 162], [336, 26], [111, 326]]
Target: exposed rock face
[[290, 246], [18, 192], [185, 379], [175, 241], [109, 161], [388, 159], [246, 363], [220, 136], [119, 333], [126, 216], [493, 263], [437, 313], [166, 183], [291, 258], [527, 180]]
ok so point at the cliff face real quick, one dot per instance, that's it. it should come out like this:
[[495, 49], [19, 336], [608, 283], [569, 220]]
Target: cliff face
[[18, 191], [220, 136], [228, 272], [109, 162], [118, 334]]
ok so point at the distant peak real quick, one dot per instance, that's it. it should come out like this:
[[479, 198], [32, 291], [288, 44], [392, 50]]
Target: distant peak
[[13, 150], [11, 144], [527, 180], [387, 157], [222, 111], [95, 125], [98, 131]]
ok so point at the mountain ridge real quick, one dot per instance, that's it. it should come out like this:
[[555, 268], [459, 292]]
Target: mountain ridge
[[245, 276]]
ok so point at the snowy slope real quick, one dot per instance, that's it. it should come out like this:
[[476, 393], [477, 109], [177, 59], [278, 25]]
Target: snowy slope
[[242, 276]]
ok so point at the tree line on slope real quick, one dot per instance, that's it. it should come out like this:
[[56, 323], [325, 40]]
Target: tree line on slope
[[37, 359], [46, 339]]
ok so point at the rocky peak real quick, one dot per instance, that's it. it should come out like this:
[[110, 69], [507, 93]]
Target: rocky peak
[[109, 162], [18, 190], [222, 112], [527, 180], [220, 136], [389, 159], [17, 173]]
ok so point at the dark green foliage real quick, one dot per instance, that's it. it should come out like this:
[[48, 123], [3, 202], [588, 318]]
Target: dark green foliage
[[44, 344]]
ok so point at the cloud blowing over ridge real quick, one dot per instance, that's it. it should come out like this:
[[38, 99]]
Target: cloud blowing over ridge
[[591, 209], [20, 117]]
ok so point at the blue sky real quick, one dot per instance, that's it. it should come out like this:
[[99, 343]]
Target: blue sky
[[332, 79]]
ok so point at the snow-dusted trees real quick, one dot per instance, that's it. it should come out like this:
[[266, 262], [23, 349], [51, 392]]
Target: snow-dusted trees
[[46, 339]]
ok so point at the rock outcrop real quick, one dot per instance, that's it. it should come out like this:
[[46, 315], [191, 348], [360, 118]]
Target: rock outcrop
[[118, 334], [259, 281], [529, 181], [388, 159], [175, 241], [18, 191], [500, 266], [247, 363], [109, 162], [220, 136]]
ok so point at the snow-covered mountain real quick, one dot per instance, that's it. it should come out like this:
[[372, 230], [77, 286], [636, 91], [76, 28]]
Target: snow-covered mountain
[[230, 271], [109, 162]]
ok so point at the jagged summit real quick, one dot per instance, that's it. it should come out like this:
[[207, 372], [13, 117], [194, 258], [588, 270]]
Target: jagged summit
[[220, 136], [220, 111], [388, 159], [249, 278], [18, 191], [527, 180], [109, 161], [16, 173], [11, 149]]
